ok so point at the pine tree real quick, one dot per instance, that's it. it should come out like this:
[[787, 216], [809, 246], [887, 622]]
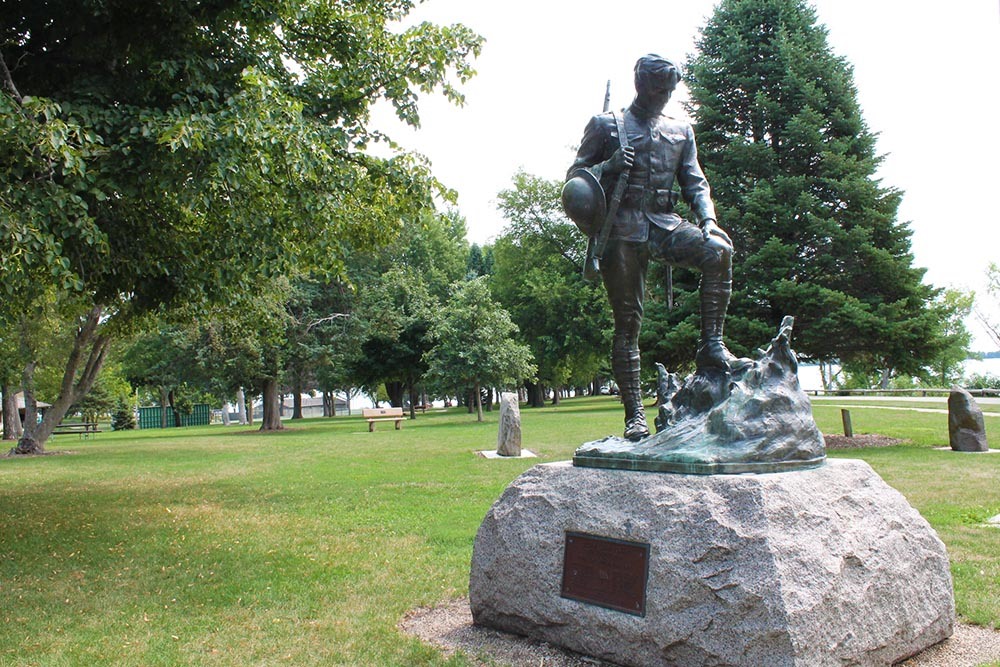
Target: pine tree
[[792, 166]]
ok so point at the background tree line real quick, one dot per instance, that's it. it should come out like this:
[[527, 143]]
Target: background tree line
[[174, 185], [165, 156]]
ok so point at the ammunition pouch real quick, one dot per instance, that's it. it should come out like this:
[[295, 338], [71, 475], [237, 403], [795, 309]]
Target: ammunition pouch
[[651, 200]]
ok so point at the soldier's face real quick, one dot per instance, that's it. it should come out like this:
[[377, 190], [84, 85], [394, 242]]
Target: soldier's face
[[654, 91]]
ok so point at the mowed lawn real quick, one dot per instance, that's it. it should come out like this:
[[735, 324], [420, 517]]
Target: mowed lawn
[[224, 546]]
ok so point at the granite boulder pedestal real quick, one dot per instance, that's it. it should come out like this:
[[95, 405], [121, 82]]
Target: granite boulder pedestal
[[726, 539], [826, 566]]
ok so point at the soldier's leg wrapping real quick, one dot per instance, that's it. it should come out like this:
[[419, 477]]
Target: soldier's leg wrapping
[[623, 270], [715, 294]]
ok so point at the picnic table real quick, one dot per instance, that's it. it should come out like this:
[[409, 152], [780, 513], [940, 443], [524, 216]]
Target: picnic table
[[83, 429]]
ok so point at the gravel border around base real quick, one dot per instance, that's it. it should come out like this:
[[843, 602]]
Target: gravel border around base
[[449, 627], [860, 440]]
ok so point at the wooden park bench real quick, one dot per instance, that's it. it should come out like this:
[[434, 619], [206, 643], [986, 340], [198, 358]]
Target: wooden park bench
[[84, 429], [382, 415]]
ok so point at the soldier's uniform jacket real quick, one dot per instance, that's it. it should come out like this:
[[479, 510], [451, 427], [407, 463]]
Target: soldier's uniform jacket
[[665, 152]]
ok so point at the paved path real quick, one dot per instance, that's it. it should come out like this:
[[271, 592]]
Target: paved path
[[940, 411]]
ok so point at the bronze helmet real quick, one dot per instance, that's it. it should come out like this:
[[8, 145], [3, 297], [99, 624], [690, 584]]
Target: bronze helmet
[[584, 203]]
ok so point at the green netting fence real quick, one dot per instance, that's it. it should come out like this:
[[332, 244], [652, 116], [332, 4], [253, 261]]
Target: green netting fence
[[151, 417]]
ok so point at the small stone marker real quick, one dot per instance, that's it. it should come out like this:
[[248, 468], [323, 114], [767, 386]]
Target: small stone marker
[[966, 430], [509, 435]]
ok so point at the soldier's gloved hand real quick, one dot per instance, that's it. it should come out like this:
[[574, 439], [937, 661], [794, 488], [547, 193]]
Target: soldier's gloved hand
[[620, 161], [715, 234]]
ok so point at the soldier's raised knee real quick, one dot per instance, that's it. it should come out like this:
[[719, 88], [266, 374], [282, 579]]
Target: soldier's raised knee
[[718, 257]]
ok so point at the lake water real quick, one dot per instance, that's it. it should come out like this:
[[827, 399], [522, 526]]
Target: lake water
[[809, 378]]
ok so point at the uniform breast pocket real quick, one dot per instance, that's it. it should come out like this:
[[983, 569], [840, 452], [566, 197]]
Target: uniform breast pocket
[[672, 138]]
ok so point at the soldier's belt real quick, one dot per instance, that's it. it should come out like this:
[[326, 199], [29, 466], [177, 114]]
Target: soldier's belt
[[650, 199]]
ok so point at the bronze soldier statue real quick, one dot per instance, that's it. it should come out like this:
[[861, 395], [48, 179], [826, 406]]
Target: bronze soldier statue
[[621, 183]]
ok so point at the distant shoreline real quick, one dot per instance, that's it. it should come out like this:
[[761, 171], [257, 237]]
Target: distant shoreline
[[809, 378]]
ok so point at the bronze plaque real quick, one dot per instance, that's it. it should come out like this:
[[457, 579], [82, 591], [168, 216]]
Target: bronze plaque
[[606, 572]]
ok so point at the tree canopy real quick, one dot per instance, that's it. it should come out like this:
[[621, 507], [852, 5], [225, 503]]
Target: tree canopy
[[474, 344], [537, 277], [155, 154]]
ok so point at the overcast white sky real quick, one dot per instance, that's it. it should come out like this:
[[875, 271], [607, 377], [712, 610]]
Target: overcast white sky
[[927, 74]]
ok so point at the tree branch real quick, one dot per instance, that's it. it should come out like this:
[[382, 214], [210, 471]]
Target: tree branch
[[991, 328], [335, 316], [95, 362], [8, 82]]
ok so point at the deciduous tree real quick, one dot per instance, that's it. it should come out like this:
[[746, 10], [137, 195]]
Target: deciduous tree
[[989, 323], [563, 319], [475, 345], [399, 290], [155, 154]]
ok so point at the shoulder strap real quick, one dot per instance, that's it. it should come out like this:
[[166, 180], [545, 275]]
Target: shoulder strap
[[620, 123], [616, 197]]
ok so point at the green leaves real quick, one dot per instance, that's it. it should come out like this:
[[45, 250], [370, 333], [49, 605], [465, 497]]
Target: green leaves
[[182, 150], [475, 343], [178, 154], [537, 277]]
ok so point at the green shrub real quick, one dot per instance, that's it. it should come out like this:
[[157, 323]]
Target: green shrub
[[123, 418]]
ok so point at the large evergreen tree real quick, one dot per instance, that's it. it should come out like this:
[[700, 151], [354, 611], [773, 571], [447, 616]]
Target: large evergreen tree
[[792, 166]]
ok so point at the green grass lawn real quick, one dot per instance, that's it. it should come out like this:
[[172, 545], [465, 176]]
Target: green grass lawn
[[224, 546]]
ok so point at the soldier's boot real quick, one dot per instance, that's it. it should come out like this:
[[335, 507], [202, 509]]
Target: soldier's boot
[[635, 423], [712, 351], [625, 364]]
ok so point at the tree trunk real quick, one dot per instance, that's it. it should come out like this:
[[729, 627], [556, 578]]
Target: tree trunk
[[29, 443], [479, 404], [225, 413], [173, 407], [76, 382], [556, 391], [164, 404], [241, 406], [328, 404], [12, 429], [886, 376], [297, 400], [395, 390], [413, 401], [271, 419], [536, 394]]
